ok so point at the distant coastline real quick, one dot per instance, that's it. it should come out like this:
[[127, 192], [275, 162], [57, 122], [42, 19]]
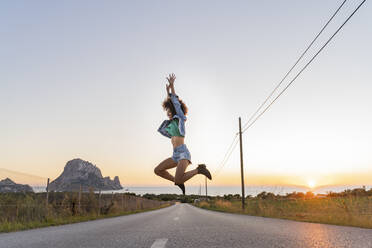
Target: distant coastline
[[222, 190]]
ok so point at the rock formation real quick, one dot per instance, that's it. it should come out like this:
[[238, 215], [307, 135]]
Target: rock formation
[[79, 172], [8, 185]]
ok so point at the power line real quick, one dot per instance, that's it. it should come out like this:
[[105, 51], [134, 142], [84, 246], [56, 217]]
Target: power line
[[221, 167], [294, 65], [227, 155], [308, 63]]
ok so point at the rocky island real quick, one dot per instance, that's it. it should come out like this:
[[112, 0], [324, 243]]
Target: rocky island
[[7, 185], [78, 172]]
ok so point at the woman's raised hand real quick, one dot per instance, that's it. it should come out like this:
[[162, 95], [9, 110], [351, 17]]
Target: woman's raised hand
[[171, 79]]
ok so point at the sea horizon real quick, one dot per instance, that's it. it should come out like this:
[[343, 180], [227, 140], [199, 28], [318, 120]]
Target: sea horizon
[[222, 190]]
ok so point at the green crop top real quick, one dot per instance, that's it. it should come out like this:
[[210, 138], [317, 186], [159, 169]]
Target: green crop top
[[172, 128]]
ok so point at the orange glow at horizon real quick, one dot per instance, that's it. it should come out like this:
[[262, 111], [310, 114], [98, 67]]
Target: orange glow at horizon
[[267, 179], [139, 174], [311, 183]]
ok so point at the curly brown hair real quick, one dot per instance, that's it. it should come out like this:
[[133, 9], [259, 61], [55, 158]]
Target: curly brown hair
[[167, 104]]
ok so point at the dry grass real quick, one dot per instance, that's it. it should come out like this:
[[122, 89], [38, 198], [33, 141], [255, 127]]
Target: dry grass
[[19, 211], [349, 211]]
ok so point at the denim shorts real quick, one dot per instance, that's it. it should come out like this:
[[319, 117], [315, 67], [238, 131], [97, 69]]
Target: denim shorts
[[181, 152]]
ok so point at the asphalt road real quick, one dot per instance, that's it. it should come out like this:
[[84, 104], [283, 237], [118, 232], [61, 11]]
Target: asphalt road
[[183, 225]]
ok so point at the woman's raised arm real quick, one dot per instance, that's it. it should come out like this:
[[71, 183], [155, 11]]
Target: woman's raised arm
[[174, 97], [171, 80], [167, 88]]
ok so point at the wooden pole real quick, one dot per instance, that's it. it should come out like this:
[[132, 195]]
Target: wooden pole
[[99, 202], [47, 193], [79, 198], [47, 197], [206, 189], [241, 162]]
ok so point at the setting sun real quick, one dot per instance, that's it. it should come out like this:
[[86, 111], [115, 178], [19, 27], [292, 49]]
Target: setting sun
[[311, 183]]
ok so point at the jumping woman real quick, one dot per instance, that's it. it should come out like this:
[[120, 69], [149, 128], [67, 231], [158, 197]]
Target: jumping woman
[[174, 128]]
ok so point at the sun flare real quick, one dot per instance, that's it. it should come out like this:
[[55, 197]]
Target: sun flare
[[311, 183]]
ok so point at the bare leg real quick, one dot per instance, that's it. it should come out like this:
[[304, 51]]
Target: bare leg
[[165, 174], [181, 176], [189, 174], [160, 170]]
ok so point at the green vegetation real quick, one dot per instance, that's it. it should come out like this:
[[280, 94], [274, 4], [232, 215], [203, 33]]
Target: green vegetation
[[350, 208], [19, 211], [172, 197]]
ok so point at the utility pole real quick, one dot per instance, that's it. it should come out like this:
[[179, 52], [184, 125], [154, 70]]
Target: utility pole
[[241, 162], [47, 193], [79, 199], [206, 189], [99, 202], [47, 197]]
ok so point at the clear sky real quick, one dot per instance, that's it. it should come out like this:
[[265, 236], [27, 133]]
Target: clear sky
[[85, 79]]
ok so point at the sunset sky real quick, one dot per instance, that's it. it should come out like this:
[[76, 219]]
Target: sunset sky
[[85, 79]]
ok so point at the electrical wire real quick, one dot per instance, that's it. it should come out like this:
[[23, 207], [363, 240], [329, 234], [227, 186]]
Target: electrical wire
[[294, 65], [227, 155], [307, 64]]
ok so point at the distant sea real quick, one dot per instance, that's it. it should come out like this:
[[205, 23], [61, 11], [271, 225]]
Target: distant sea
[[223, 190]]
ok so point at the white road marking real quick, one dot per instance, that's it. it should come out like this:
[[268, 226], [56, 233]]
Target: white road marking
[[159, 243], [176, 218]]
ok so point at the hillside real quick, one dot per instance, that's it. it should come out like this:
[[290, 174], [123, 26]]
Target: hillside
[[22, 178]]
